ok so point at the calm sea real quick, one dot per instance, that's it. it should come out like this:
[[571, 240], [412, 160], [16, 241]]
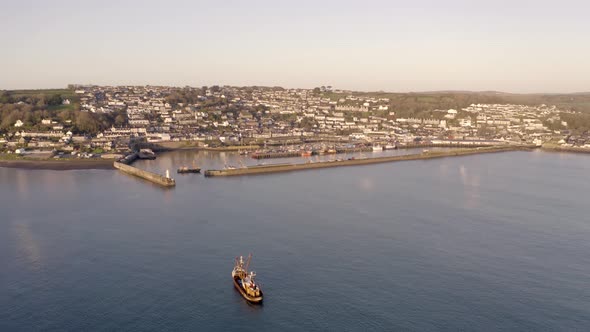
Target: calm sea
[[486, 242]]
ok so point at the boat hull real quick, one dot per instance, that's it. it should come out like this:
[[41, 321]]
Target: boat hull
[[146, 156], [189, 170], [251, 299]]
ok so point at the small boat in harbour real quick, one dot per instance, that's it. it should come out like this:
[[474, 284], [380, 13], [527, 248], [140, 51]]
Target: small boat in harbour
[[244, 281], [184, 169], [146, 154]]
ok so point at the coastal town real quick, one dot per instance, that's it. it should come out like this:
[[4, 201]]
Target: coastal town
[[322, 119]]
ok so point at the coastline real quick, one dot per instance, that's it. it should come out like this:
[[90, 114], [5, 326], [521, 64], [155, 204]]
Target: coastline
[[107, 164], [58, 165]]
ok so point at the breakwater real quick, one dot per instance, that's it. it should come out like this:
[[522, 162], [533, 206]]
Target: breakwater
[[152, 177], [291, 154], [357, 162], [463, 144], [269, 154], [566, 149]]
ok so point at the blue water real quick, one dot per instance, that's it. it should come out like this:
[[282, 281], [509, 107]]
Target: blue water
[[486, 242]]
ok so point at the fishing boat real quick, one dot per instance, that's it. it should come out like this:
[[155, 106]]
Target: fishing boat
[[377, 148], [184, 169], [146, 154], [244, 280]]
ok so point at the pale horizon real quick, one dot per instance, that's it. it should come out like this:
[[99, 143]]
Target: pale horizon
[[390, 46]]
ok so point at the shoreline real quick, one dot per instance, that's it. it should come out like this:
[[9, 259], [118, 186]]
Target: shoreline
[[107, 164], [58, 165]]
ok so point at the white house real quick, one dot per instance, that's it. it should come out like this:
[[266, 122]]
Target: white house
[[18, 123], [358, 136], [466, 122]]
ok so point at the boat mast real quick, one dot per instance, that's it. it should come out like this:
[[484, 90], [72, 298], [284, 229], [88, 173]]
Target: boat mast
[[248, 263]]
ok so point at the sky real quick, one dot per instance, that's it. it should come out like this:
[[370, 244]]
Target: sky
[[421, 45]]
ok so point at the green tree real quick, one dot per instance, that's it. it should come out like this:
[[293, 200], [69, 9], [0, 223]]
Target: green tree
[[54, 100], [120, 120], [85, 123]]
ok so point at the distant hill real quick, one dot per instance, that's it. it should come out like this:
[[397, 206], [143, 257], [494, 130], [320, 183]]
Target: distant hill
[[421, 101]]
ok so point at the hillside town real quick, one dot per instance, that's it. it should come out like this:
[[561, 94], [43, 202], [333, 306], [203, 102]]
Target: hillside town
[[223, 116]]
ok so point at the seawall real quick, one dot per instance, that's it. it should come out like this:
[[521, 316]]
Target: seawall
[[356, 162], [565, 149], [152, 177], [464, 144]]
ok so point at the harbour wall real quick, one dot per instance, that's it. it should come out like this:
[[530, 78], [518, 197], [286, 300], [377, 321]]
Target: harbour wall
[[152, 177], [465, 144], [566, 149], [291, 154], [356, 162]]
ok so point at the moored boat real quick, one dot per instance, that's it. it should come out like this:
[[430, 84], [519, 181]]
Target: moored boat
[[185, 169], [244, 280], [146, 154]]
